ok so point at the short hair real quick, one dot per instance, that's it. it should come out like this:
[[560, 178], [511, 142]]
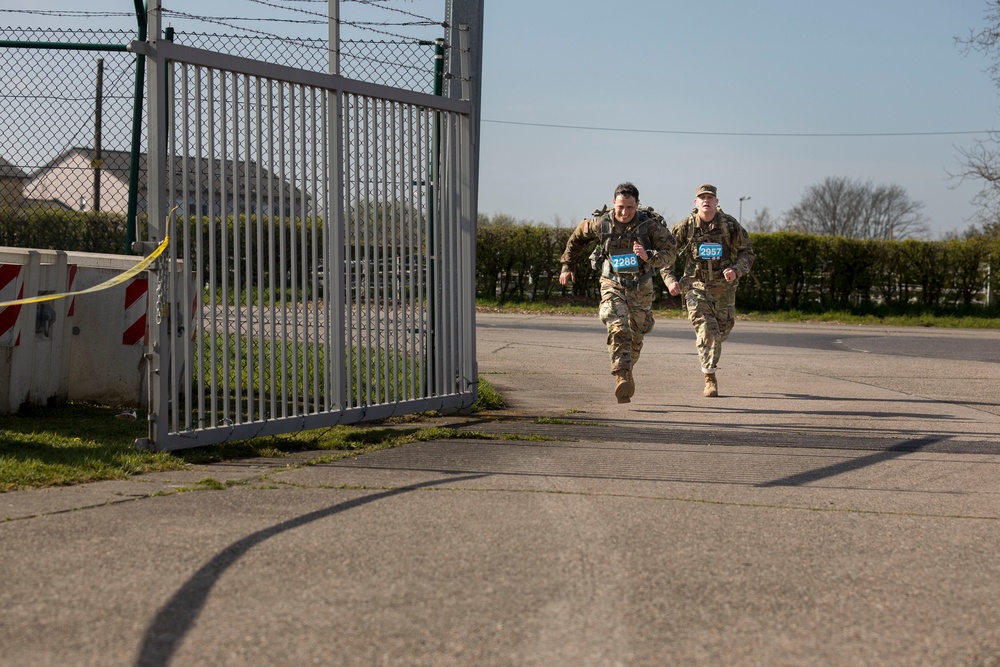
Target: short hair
[[627, 190]]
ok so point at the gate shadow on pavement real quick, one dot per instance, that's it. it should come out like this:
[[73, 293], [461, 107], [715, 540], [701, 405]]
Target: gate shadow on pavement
[[173, 621], [842, 467]]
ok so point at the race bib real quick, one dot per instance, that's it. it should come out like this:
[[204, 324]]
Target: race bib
[[710, 251], [626, 262]]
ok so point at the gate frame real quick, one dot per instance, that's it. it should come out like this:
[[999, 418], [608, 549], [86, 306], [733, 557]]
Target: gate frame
[[161, 353]]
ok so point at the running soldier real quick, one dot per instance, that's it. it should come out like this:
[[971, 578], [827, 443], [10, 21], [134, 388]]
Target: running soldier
[[717, 254], [633, 243]]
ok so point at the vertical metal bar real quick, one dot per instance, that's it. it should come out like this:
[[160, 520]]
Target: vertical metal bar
[[325, 215], [282, 252], [412, 293], [398, 268], [350, 148], [358, 263], [301, 217], [179, 234], [273, 279], [468, 215], [366, 172], [315, 187], [447, 347], [192, 225], [333, 35], [426, 289], [262, 292], [158, 421], [292, 221], [380, 372], [173, 253], [336, 267], [468, 196], [238, 334], [251, 282]]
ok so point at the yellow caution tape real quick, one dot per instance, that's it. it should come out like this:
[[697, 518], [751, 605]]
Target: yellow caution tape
[[117, 280]]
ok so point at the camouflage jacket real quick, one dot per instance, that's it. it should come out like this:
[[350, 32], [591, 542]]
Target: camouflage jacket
[[710, 248], [613, 256]]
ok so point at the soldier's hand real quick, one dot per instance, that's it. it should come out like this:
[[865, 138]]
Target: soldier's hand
[[639, 250], [566, 278], [729, 274], [674, 288]]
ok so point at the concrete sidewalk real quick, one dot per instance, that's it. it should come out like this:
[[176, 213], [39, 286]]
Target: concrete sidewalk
[[837, 505]]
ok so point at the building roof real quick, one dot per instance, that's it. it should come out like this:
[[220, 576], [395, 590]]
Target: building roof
[[8, 170]]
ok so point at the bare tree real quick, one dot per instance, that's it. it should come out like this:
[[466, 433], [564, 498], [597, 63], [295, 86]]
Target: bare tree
[[857, 209], [761, 221], [981, 162]]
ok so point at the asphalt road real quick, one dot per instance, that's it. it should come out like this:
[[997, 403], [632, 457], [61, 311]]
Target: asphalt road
[[838, 504]]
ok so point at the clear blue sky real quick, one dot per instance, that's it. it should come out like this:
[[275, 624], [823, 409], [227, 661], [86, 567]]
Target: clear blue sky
[[653, 70], [686, 92]]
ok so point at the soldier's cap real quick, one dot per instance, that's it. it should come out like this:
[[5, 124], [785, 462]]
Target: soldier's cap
[[707, 189]]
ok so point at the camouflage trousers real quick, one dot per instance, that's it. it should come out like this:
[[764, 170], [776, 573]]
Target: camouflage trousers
[[712, 311], [628, 314]]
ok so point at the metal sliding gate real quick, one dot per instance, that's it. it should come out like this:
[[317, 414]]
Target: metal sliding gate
[[319, 267]]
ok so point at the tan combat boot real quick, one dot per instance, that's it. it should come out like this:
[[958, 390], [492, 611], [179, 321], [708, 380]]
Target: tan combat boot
[[711, 385], [624, 387]]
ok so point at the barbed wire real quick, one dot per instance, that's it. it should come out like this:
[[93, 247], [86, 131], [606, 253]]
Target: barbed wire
[[370, 3], [67, 13], [321, 18], [424, 20], [226, 21]]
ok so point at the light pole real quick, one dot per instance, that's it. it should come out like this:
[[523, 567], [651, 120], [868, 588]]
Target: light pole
[[742, 199]]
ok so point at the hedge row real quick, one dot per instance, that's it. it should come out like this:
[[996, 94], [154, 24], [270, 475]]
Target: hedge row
[[792, 271], [62, 230], [520, 262]]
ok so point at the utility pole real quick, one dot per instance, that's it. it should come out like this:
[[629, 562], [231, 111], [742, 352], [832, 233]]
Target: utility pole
[[97, 162]]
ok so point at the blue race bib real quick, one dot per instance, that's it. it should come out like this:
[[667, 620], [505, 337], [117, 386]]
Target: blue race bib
[[710, 251], [626, 262]]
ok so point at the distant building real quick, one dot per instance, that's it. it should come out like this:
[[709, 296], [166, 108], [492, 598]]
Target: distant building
[[12, 180], [68, 181]]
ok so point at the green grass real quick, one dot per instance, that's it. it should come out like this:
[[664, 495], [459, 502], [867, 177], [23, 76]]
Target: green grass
[[917, 319], [78, 443]]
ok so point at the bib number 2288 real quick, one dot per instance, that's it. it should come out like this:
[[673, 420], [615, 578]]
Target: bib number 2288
[[626, 262]]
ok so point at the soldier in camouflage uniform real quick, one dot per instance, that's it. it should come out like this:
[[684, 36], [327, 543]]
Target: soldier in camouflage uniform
[[717, 254], [633, 243]]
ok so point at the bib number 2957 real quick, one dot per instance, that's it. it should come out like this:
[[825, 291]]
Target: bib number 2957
[[710, 251]]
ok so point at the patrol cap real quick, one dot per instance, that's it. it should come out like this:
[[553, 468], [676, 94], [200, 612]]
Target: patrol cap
[[707, 189]]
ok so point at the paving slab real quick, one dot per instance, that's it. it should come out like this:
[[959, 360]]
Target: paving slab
[[837, 505]]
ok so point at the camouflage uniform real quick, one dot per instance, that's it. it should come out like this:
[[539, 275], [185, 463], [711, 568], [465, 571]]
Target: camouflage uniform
[[627, 291], [710, 300]]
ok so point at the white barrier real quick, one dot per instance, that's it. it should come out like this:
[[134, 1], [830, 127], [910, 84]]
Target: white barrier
[[34, 349], [85, 346]]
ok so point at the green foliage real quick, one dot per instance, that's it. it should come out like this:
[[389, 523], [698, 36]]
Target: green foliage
[[57, 229], [793, 271], [519, 261], [488, 398]]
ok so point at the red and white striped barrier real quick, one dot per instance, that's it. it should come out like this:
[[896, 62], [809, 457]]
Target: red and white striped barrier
[[11, 289], [134, 331], [70, 279]]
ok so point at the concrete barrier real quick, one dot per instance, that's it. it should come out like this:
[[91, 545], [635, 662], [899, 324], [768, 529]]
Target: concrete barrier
[[85, 347], [34, 348]]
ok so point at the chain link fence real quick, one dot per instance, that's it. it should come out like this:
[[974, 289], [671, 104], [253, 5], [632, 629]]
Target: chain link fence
[[67, 116]]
